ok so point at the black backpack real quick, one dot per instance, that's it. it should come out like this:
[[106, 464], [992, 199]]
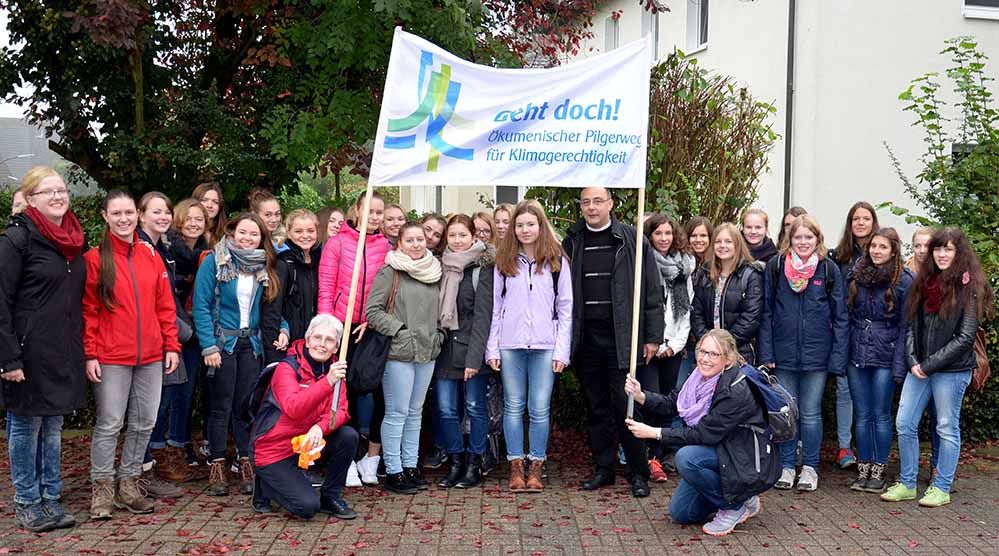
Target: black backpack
[[255, 402], [831, 271]]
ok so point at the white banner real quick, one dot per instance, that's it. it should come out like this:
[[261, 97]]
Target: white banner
[[446, 121]]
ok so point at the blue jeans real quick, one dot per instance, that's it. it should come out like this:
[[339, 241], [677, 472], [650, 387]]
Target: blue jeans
[[177, 400], [807, 388], [35, 446], [528, 380], [872, 389], [699, 493], [844, 412], [947, 392], [449, 407], [687, 365], [405, 385]]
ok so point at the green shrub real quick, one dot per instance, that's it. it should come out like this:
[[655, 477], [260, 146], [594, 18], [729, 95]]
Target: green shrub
[[958, 185]]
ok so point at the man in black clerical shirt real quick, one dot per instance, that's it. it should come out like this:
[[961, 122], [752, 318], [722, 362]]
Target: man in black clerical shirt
[[602, 254]]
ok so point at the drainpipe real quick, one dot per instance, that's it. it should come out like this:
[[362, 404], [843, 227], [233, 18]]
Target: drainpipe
[[789, 102]]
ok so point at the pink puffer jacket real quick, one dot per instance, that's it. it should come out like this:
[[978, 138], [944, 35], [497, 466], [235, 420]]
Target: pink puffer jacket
[[336, 266]]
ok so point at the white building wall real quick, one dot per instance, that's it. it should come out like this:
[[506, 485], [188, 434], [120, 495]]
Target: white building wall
[[853, 58]]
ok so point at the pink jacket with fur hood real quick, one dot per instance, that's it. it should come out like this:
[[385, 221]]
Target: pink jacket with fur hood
[[336, 266]]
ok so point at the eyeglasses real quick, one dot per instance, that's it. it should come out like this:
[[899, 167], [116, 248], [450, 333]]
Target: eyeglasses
[[483, 232], [708, 355], [51, 193], [595, 202]]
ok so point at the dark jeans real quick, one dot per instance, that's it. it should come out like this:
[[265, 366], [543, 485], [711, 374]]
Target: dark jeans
[[176, 399], [699, 493], [373, 402], [602, 383], [659, 376], [284, 482], [872, 389], [449, 405], [231, 385]]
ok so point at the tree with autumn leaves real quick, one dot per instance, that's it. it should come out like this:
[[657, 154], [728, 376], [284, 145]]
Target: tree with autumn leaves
[[163, 94]]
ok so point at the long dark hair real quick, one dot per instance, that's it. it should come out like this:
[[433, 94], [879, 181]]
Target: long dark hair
[[956, 292], [214, 227], [844, 251], [692, 225], [273, 283], [679, 236], [108, 270], [895, 263], [793, 211]]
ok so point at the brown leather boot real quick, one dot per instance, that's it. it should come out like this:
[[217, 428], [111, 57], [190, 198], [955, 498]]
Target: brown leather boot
[[534, 477], [102, 499], [174, 470], [130, 498], [245, 476], [217, 485], [517, 475]]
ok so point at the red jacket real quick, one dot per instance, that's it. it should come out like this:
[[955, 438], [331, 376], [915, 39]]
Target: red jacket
[[337, 266], [304, 400], [143, 324]]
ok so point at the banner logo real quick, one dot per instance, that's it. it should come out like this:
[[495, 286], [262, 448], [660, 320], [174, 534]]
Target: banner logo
[[438, 98]]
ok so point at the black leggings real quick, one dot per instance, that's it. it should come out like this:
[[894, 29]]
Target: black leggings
[[231, 385]]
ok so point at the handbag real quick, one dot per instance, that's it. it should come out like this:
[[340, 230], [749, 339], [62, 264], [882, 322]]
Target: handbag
[[980, 374], [367, 363]]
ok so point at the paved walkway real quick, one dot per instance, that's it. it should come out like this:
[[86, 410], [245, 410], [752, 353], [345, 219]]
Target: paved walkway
[[490, 521]]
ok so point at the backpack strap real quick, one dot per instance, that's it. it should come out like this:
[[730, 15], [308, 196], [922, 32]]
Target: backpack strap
[[475, 278], [555, 296]]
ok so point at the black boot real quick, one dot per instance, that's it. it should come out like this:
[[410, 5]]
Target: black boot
[[415, 478], [397, 483], [473, 472], [455, 471]]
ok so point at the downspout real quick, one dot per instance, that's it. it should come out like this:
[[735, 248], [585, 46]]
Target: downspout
[[789, 103]]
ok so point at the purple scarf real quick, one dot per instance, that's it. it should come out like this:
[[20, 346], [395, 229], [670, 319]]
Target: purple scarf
[[695, 397]]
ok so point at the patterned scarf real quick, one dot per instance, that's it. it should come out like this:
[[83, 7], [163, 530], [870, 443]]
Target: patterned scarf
[[230, 261], [798, 273], [694, 399], [674, 270]]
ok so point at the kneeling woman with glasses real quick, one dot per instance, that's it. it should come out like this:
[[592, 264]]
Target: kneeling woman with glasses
[[724, 465]]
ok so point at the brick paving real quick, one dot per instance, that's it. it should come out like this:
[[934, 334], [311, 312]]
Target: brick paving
[[490, 521]]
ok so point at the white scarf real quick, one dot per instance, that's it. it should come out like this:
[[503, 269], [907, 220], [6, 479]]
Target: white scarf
[[426, 269]]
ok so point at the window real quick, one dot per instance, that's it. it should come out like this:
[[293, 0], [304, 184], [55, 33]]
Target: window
[[981, 9], [650, 25], [697, 24], [612, 33], [508, 194]]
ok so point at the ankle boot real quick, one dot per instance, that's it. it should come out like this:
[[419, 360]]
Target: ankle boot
[[455, 471], [217, 485], [876, 483], [473, 472], [517, 475], [863, 472], [245, 476], [130, 498], [534, 483], [102, 499]]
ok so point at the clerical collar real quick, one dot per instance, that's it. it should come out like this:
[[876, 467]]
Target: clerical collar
[[600, 229]]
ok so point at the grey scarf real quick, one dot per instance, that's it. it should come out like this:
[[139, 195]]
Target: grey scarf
[[674, 269], [454, 264], [230, 261]]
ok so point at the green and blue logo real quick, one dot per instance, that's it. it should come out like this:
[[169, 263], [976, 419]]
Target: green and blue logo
[[438, 98]]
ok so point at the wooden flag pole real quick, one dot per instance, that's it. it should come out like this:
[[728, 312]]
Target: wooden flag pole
[[637, 297], [358, 257]]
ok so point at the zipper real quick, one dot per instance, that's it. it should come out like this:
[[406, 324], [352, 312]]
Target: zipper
[[138, 311], [721, 301]]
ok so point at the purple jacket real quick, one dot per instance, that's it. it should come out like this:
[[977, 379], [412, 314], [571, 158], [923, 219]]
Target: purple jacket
[[524, 315]]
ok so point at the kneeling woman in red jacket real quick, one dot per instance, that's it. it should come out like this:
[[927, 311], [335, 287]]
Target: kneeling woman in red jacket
[[299, 401]]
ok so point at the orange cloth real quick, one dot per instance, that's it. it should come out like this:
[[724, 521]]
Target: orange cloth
[[305, 459]]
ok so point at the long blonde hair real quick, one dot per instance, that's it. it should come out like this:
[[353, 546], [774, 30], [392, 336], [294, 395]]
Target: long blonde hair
[[548, 250], [31, 180], [741, 250]]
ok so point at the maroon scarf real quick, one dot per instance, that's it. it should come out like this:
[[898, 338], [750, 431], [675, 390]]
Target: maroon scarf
[[933, 295], [67, 238]]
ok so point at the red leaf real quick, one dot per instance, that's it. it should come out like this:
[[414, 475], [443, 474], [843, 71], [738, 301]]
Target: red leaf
[[913, 544], [183, 533], [800, 546], [853, 525], [595, 533]]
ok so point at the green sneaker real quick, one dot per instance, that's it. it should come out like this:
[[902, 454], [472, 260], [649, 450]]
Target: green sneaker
[[899, 492], [934, 498]]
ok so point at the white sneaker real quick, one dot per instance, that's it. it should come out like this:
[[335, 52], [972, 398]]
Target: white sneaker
[[786, 480], [353, 480], [808, 479], [368, 466]]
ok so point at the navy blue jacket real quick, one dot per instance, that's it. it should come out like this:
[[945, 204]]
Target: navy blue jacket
[[877, 337], [807, 331]]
